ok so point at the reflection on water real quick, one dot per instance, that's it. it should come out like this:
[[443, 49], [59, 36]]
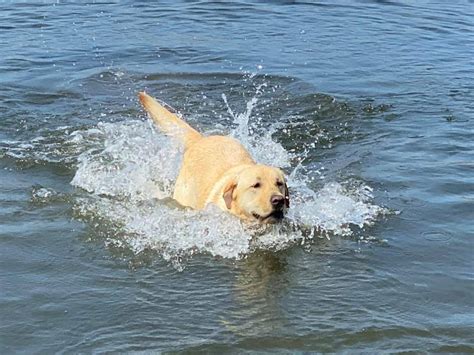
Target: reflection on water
[[258, 291]]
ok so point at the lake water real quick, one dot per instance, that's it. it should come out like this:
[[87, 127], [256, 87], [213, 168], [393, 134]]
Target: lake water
[[367, 105]]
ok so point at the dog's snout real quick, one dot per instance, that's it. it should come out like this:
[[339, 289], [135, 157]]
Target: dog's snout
[[277, 201]]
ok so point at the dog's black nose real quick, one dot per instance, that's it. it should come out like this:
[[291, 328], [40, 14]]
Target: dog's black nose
[[277, 201]]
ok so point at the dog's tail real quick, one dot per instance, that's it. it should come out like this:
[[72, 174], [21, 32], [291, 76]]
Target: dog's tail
[[168, 122]]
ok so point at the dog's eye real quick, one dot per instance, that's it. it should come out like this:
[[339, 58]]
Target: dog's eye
[[256, 185], [279, 183]]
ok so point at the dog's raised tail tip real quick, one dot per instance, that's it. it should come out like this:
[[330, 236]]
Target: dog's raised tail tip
[[142, 94]]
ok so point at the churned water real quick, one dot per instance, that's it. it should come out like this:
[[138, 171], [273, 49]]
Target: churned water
[[367, 106]]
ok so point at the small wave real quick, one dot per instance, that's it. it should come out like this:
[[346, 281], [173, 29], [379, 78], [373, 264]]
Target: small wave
[[60, 146]]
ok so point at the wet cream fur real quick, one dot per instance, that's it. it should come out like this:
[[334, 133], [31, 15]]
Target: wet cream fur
[[219, 170]]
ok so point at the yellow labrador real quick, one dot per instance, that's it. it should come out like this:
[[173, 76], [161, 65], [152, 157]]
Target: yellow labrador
[[219, 170]]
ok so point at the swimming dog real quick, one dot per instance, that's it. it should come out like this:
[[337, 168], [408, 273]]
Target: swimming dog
[[219, 170]]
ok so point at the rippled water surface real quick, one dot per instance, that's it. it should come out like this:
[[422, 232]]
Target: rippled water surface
[[368, 106]]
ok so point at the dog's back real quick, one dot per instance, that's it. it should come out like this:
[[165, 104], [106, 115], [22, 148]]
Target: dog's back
[[204, 163], [205, 159]]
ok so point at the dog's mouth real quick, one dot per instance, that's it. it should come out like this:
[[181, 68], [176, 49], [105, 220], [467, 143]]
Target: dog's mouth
[[273, 217]]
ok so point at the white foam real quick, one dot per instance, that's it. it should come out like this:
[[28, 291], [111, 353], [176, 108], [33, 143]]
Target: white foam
[[130, 168], [132, 161], [333, 209]]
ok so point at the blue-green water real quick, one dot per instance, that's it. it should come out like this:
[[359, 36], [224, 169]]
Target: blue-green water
[[367, 105]]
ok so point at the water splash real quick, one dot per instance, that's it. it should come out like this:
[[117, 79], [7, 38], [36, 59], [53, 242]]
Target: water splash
[[129, 174], [253, 136], [132, 161]]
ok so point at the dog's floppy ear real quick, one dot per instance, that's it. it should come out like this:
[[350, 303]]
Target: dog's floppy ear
[[228, 193], [287, 197]]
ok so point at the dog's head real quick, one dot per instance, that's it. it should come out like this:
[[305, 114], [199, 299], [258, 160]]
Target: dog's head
[[259, 193]]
